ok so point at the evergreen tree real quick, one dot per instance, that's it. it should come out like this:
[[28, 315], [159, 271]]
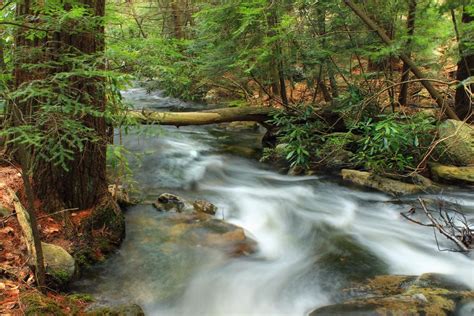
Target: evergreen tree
[[57, 106]]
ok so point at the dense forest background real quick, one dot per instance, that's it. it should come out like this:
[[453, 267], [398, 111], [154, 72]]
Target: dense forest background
[[379, 86], [349, 60]]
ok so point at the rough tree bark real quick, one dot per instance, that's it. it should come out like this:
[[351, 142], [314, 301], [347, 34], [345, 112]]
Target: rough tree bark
[[85, 182], [414, 69]]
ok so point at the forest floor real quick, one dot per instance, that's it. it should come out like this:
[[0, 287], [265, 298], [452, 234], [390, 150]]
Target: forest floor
[[17, 280]]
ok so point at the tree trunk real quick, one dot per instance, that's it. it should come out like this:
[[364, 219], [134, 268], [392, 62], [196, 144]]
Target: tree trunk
[[277, 64], [321, 13], [135, 16], [403, 96], [2, 56], [465, 69], [177, 16], [414, 69], [84, 181]]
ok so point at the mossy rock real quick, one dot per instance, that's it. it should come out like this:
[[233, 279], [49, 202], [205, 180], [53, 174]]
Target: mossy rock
[[428, 294], [60, 265], [457, 146]]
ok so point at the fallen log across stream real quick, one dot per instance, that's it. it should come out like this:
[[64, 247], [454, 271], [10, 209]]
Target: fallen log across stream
[[222, 115]]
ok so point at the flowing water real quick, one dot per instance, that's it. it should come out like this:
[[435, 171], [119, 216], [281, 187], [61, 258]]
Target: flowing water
[[314, 234]]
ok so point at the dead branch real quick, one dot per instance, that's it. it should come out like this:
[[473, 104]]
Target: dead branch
[[449, 222]]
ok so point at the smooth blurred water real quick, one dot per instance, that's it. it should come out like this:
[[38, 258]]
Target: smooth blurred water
[[314, 235]]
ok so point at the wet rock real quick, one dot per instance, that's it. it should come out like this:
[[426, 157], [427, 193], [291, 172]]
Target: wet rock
[[452, 173], [428, 294], [170, 203], [458, 145], [296, 171], [120, 194], [345, 256], [242, 125], [380, 183], [203, 230], [60, 265], [203, 206], [420, 298], [243, 151], [120, 310]]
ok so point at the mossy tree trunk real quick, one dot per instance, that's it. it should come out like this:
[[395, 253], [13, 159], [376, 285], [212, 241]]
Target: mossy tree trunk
[[83, 182]]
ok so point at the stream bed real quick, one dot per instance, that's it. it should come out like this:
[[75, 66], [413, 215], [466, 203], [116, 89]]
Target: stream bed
[[314, 234]]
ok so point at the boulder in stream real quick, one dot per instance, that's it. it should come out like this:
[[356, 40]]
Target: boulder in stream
[[203, 230], [194, 225], [204, 207], [428, 294], [170, 203]]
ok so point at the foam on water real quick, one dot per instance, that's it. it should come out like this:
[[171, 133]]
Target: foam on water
[[298, 223]]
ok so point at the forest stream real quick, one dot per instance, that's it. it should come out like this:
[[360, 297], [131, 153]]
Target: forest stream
[[314, 234]]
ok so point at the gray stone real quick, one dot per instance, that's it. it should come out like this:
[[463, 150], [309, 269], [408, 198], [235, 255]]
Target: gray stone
[[59, 263], [420, 298], [458, 145]]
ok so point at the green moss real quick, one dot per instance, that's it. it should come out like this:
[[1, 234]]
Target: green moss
[[82, 259], [61, 276], [131, 309], [81, 297], [38, 304]]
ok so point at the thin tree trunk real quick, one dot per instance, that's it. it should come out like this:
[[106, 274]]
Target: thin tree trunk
[[465, 68], [2, 56], [277, 64], [135, 18], [324, 90], [322, 32], [414, 69], [403, 96]]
